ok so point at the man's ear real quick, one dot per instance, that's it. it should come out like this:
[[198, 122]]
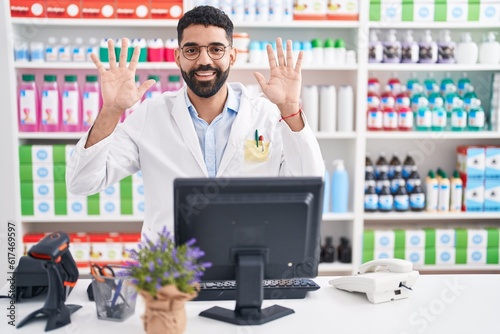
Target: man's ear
[[177, 55], [233, 55]]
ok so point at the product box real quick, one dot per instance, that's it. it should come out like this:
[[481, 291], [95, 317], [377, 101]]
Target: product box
[[473, 200], [415, 239], [98, 9], [27, 8], [492, 255], [489, 11], [346, 10], [387, 253], [139, 206], [477, 238], [457, 10], [166, 10], [77, 206], [445, 255], [105, 248], [43, 207], [384, 239], [112, 192], [43, 189], [63, 9], [471, 161], [492, 195], [415, 255], [109, 207], [130, 241], [80, 248], [310, 10], [93, 205], [492, 163], [131, 9], [423, 10], [445, 238], [493, 237]]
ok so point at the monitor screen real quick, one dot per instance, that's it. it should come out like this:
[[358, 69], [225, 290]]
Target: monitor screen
[[273, 220]]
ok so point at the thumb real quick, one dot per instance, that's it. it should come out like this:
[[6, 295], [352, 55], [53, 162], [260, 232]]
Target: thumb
[[261, 80], [145, 86]]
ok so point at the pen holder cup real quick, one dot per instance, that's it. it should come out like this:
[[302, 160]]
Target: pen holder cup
[[114, 298]]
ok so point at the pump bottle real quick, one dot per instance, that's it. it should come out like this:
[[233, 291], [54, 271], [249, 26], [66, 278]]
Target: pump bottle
[[489, 51], [467, 50], [428, 52]]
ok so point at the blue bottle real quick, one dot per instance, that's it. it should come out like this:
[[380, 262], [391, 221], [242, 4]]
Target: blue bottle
[[340, 187], [326, 189]]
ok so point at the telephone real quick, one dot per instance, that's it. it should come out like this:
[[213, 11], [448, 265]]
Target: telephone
[[382, 280]]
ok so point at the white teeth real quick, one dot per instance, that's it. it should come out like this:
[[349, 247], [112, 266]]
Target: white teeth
[[204, 74]]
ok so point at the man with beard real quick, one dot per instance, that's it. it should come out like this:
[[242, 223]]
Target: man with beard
[[209, 128]]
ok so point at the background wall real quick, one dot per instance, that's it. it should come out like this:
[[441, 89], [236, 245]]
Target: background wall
[[8, 189]]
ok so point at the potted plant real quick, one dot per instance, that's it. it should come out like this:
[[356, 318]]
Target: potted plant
[[166, 276]]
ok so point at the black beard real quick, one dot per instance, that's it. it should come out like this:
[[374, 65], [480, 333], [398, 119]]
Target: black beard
[[205, 89]]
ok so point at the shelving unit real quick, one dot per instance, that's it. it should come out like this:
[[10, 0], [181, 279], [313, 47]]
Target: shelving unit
[[350, 146]]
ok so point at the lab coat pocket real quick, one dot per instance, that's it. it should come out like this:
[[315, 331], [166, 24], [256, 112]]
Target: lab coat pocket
[[254, 153]]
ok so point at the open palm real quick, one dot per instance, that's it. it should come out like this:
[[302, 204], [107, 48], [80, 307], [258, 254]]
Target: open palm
[[118, 87], [285, 81]]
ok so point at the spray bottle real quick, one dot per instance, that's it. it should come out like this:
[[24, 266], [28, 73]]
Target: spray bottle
[[340, 187]]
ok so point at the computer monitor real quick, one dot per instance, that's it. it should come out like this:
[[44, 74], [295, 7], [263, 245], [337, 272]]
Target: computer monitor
[[251, 229]]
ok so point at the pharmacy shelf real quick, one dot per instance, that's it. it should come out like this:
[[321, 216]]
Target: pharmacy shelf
[[169, 66], [381, 216], [40, 22], [432, 67], [79, 220], [330, 216], [334, 268], [434, 25], [457, 268], [336, 135], [441, 135]]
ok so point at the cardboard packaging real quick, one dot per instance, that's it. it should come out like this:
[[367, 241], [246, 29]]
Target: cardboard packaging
[[130, 9], [27, 8], [63, 9], [166, 10], [98, 9]]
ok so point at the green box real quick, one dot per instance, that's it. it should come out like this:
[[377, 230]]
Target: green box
[[27, 207], [59, 172], [430, 238], [27, 190], [399, 253], [25, 154], [461, 238], [25, 172], [126, 206], [460, 255], [399, 239], [493, 237], [369, 240], [368, 256], [492, 255], [430, 256], [59, 154], [93, 207]]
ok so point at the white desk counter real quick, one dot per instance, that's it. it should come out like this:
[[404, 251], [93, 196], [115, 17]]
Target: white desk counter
[[439, 304]]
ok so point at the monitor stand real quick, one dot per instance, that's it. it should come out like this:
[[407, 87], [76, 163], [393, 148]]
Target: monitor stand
[[249, 295]]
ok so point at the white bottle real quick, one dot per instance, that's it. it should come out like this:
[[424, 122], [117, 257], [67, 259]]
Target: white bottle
[[375, 48], [327, 108], [92, 48], [52, 50], [467, 50], [79, 50], [345, 109], [340, 51], [489, 51], [409, 48], [310, 105], [444, 194], [431, 192], [456, 192], [65, 50]]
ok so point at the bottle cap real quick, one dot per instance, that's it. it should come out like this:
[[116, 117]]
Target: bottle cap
[[70, 78], [409, 36], [427, 37], [491, 37], [373, 36], [316, 43], [456, 174], [78, 41], [339, 43], [28, 77], [50, 78], [431, 174], [391, 36], [91, 78], [174, 78], [329, 43], [154, 77], [338, 164], [466, 37], [136, 77], [445, 36], [306, 45]]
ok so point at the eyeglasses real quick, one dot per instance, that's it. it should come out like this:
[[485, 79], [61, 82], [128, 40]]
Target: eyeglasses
[[215, 51]]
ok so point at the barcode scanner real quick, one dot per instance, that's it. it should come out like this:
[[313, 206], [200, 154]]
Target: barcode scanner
[[53, 251]]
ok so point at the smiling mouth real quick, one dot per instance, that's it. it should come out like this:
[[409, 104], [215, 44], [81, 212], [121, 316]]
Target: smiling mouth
[[202, 75]]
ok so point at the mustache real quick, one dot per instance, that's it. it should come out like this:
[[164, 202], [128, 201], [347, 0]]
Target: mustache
[[204, 68]]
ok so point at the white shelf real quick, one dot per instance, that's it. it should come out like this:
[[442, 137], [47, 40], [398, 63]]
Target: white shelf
[[333, 268], [434, 25], [458, 267], [330, 216], [169, 66], [381, 216], [432, 67], [79, 220], [336, 135], [51, 135], [442, 135], [320, 24]]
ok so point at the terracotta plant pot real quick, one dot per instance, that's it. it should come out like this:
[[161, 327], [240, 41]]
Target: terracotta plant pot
[[165, 313]]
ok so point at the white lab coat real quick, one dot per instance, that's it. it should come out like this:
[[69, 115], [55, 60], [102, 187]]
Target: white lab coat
[[160, 140]]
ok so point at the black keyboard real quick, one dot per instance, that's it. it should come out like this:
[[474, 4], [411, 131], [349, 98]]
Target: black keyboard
[[294, 288]]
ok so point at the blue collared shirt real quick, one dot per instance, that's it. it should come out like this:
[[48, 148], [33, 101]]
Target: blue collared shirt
[[213, 137]]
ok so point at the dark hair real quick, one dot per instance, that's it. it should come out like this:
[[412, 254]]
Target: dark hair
[[207, 16]]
